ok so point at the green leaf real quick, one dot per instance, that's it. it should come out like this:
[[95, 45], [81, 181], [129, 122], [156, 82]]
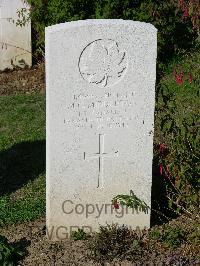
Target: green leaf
[[191, 10]]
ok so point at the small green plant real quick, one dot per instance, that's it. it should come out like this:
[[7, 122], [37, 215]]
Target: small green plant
[[194, 235], [173, 237], [155, 234], [79, 235], [9, 255], [136, 245], [131, 201]]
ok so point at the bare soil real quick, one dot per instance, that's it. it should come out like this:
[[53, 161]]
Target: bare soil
[[23, 80], [38, 250], [31, 237]]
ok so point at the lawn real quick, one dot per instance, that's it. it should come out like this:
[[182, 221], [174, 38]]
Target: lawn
[[22, 157]]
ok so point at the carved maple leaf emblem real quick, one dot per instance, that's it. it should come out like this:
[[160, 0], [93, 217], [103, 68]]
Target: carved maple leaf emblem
[[102, 63]]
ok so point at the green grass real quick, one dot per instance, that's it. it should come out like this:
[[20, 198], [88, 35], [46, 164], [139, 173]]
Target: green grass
[[22, 157], [22, 118]]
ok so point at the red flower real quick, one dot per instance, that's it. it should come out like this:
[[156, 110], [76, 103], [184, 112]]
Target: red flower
[[161, 169], [186, 13], [190, 78], [116, 205], [162, 148], [178, 77]]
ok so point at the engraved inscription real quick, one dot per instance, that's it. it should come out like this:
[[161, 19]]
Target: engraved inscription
[[103, 63], [100, 156], [110, 110]]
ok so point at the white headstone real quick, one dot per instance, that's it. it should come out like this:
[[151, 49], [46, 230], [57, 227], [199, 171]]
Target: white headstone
[[15, 41], [100, 78]]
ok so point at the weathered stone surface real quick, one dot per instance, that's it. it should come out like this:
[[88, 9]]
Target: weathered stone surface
[[100, 120], [15, 41]]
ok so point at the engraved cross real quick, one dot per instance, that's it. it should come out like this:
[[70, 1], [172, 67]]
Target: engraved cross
[[100, 156]]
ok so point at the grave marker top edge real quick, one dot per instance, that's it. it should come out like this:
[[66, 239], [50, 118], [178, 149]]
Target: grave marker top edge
[[89, 22]]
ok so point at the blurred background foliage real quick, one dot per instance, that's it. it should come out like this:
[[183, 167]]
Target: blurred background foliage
[[177, 21]]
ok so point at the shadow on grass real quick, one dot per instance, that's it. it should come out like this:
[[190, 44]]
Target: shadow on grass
[[19, 164]]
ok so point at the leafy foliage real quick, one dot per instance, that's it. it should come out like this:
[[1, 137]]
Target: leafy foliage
[[115, 241], [79, 235], [177, 120], [173, 237], [131, 201], [9, 255], [155, 234], [175, 31]]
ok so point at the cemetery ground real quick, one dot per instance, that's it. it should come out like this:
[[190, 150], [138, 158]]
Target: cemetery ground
[[173, 240]]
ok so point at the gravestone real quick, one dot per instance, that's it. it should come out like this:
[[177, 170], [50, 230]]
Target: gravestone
[[15, 41], [100, 78]]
